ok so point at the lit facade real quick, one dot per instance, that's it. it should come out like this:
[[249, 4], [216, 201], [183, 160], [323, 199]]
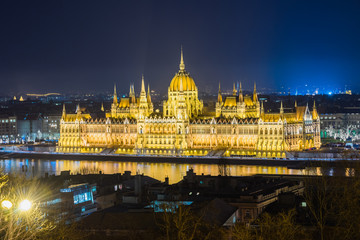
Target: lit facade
[[239, 125]]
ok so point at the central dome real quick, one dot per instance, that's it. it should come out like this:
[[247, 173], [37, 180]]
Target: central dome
[[185, 79], [182, 78]]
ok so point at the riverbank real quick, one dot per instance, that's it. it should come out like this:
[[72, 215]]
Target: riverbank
[[296, 163]]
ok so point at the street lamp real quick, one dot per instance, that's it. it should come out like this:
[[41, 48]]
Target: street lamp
[[6, 204], [25, 205]]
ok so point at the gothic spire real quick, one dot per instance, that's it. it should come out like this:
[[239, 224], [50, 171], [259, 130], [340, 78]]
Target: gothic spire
[[133, 98], [281, 108], [241, 96], [255, 98], [219, 95], [148, 94], [64, 111], [102, 107], [142, 85], [78, 110], [234, 90], [314, 112], [115, 100]]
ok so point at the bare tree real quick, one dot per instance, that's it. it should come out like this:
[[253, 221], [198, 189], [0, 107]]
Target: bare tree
[[281, 226], [319, 195], [241, 231], [180, 223]]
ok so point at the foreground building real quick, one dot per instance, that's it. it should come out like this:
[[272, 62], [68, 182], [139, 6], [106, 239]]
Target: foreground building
[[239, 126]]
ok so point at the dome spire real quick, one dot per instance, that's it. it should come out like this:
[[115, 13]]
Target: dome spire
[[182, 64]]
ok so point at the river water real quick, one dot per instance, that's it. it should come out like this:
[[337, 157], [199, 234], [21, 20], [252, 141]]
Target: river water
[[175, 171]]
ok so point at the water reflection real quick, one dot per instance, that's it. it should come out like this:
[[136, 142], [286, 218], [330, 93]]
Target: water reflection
[[175, 172]]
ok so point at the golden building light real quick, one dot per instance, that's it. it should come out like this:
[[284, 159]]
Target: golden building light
[[239, 125]]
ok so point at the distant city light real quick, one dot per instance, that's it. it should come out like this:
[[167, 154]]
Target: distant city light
[[330, 93]]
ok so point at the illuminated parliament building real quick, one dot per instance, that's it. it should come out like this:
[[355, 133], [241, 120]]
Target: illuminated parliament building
[[239, 126]]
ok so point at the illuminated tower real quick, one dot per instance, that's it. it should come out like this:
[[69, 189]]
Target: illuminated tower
[[114, 104], [241, 104], [256, 102], [193, 105], [219, 103]]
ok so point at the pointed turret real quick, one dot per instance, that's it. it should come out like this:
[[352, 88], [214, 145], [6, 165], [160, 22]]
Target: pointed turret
[[132, 94], [255, 98], [148, 94], [219, 95], [182, 64], [241, 96], [115, 100], [102, 107], [262, 111], [142, 85], [143, 99], [295, 104], [314, 112], [63, 112], [130, 91], [78, 110], [281, 108], [234, 90]]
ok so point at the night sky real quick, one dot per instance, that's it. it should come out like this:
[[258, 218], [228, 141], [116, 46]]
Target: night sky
[[62, 46]]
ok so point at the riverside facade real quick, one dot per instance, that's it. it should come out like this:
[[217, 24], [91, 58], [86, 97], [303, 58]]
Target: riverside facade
[[239, 126]]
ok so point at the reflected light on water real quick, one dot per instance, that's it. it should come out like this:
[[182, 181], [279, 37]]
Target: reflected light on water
[[175, 171]]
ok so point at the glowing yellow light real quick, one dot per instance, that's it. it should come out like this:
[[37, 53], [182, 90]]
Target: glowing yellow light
[[25, 205], [6, 204]]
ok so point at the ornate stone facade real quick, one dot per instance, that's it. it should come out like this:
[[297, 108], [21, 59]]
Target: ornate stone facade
[[239, 126]]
